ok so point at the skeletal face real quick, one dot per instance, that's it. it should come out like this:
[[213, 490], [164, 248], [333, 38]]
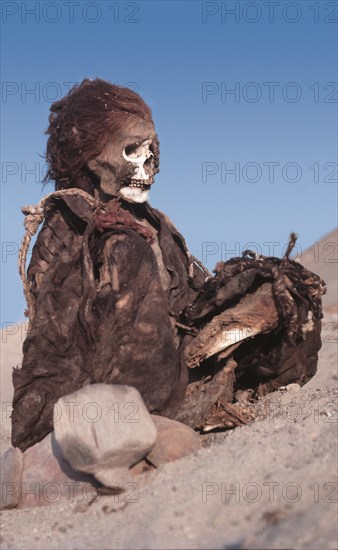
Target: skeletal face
[[128, 163], [139, 186]]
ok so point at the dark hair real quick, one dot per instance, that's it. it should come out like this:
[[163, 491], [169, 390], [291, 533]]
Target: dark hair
[[80, 125]]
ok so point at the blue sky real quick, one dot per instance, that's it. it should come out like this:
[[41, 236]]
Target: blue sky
[[276, 131]]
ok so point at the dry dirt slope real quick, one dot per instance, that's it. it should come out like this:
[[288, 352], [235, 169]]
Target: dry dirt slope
[[322, 258], [269, 485]]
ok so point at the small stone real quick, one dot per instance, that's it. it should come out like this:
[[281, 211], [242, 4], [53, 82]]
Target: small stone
[[292, 387], [174, 440], [141, 467], [104, 429], [11, 465], [108, 506]]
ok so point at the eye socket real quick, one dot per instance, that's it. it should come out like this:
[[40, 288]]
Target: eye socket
[[138, 149], [131, 150]]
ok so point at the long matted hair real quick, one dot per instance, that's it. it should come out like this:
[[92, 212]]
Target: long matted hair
[[80, 125]]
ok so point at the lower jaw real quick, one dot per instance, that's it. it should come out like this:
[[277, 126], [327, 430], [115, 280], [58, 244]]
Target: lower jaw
[[135, 194]]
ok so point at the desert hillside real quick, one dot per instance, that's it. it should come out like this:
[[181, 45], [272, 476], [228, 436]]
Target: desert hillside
[[322, 258]]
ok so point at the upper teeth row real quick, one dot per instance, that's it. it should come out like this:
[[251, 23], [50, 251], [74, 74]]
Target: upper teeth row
[[138, 183]]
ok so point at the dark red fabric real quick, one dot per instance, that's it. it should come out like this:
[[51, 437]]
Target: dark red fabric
[[114, 216]]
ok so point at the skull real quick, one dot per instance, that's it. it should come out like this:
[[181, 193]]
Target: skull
[[139, 186], [129, 161]]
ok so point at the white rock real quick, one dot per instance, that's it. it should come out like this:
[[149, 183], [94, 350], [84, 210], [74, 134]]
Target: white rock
[[292, 387], [103, 430]]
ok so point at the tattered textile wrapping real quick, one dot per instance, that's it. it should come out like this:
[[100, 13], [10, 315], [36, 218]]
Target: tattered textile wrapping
[[99, 313]]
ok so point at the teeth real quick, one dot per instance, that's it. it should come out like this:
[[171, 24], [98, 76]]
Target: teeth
[[138, 183]]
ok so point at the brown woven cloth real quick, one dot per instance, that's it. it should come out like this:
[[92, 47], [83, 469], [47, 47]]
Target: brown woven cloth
[[102, 315]]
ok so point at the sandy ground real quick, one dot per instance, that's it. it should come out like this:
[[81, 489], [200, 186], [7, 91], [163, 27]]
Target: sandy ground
[[272, 484]]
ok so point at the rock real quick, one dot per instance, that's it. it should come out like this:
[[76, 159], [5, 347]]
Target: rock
[[174, 440], [103, 430], [40, 476], [142, 467], [292, 387], [11, 465], [47, 478]]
